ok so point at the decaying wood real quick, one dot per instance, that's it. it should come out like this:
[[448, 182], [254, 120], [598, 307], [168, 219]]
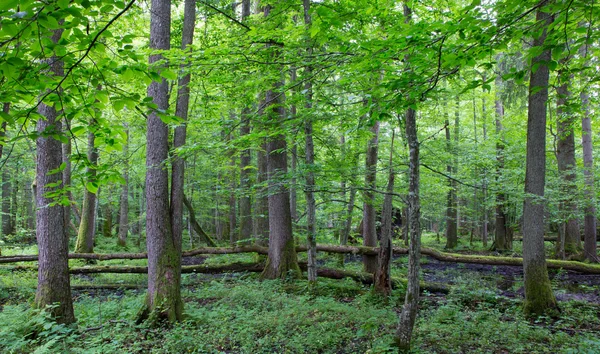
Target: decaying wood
[[358, 250]]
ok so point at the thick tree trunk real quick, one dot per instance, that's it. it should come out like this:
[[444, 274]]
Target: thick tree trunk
[[383, 283], [163, 301], [409, 310], [589, 248], [503, 235], [124, 200], [53, 243], [87, 226], [282, 259], [565, 156], [538, 291], [369, 214], [309, 151]]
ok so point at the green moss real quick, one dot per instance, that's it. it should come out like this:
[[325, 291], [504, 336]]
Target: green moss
[[539, 298]]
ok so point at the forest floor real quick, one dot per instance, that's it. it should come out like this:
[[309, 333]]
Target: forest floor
[[237, 313]]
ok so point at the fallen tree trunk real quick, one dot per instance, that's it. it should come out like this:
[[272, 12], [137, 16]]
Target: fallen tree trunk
[[367, 278], [361, 277], [358, 250]]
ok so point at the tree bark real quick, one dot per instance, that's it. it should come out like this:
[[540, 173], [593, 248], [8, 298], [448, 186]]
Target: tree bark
[[538, 291], [282, 258], [503, 235], [53, 243], [124, 202], [163, 301], [7, 225], [87, 225], [411, 301], [383, 283], [309, 151], [245, 163], [565, 156], [590, 247], [261, 221], [451, 210], [369, 213], [179, 136]]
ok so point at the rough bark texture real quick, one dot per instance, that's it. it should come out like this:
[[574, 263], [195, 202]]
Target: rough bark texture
[[565, 156], [589, 248], [369, 213], [538, 292], [163, 301], [53, 244], [383, 283], [87, 225], [309, 151], [179, 136], [124, 200], [411, 301], [282, 257], [503, 235]]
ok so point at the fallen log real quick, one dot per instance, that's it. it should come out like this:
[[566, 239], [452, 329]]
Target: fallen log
[[332, 273], [367, 278], [359, 250]]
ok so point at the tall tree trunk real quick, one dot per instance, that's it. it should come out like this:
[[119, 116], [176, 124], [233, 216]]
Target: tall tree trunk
[[163, 300], [309, 151], [369, 213], [232, 217], [245, 163], [565, 156], [124, 202], [589, 248], [87, 225], [282, 258], [484, 184], [5, 109], [383, 280], [7, 226], [294, 156], [451, 210], [503, 235], [261, 221], [408, 315], [53, 244], [538, 292]]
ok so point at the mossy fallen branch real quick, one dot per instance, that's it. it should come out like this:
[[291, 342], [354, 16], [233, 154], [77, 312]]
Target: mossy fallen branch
[[360, 250]]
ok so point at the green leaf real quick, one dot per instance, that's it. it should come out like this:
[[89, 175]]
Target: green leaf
[[8, 4], [92, 187], [168, 74]]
